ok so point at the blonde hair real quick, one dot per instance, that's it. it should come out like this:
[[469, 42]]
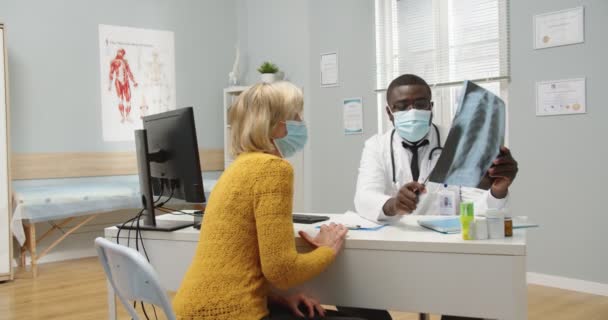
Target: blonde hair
[[258, 110]]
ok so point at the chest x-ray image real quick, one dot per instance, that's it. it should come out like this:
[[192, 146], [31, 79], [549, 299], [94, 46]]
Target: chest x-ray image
[[474, 141]]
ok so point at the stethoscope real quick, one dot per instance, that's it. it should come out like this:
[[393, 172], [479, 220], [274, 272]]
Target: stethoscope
[[437, 148]]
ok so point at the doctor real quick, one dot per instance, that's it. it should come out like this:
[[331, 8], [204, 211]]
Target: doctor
[[395, 164]]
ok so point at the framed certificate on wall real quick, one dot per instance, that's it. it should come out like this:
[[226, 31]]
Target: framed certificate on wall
[[559, 28], [5, 182]]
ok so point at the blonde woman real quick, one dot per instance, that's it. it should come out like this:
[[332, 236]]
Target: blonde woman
[[246, 245]]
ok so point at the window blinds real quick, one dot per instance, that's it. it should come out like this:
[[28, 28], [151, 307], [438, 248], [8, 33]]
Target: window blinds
[[443, 41]]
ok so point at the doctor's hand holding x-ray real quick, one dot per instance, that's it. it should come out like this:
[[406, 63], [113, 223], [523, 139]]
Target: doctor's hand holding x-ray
[[395, 165]]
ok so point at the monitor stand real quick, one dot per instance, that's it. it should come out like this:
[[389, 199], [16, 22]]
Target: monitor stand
[[148, 219], [160, 225]]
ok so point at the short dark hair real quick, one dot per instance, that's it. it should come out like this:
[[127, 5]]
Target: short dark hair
[[407, 80]]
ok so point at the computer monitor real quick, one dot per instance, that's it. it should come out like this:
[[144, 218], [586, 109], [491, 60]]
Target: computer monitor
[[168, 164]]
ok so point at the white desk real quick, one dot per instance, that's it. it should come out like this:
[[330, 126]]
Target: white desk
[[402, 267]]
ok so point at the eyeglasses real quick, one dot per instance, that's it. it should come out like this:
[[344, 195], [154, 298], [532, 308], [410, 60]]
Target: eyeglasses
[[405, 105]]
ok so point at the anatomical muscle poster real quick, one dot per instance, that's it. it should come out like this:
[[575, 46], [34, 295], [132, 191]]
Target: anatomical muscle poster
[[137, 72]]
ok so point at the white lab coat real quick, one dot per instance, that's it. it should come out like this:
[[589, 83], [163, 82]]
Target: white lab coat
[[375, 182]]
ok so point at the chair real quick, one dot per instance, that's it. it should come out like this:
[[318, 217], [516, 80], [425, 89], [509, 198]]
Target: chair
[[132, 277]]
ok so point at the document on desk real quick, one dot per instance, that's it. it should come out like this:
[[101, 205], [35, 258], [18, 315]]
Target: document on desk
[[354, 221], [474, 141]]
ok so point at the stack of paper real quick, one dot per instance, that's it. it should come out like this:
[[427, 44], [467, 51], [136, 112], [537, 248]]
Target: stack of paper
[[354, 221]]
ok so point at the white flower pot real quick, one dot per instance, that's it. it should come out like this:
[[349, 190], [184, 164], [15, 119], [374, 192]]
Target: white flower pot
[[268, 77]]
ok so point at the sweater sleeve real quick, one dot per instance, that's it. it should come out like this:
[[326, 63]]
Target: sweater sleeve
[[281, 264]]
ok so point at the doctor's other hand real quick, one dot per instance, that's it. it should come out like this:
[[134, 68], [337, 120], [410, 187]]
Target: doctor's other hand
[[331, 235], [502, 173], [405, 201]]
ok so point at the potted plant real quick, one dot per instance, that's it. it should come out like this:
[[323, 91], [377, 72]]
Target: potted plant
[[268, 71]]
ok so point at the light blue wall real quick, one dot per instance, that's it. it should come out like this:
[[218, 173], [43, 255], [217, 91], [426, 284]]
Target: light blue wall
[[277, 30], [274, 30], [293, 34], [54, 66], [562, 175], [346, 27], [53, 60], [562, 159]]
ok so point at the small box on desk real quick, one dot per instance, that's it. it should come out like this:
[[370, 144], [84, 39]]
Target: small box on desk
[[197, 215]]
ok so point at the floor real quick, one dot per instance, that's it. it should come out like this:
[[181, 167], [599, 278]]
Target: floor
[[77, 290]]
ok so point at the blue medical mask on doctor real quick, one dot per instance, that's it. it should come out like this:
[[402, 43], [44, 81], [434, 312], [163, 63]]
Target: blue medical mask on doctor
[[412, 125], [294, 141]]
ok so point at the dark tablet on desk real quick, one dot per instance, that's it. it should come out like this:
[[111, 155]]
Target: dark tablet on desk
[[308, 219]]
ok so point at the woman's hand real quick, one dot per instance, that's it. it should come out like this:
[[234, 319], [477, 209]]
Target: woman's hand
[[293, 302], [331, 235]]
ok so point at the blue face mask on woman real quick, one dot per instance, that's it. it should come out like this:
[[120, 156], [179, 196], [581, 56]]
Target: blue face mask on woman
[[294, 141], [412, 125]]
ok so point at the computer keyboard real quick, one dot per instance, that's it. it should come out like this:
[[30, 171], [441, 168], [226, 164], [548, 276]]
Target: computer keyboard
[[308, 219], [297, 218]]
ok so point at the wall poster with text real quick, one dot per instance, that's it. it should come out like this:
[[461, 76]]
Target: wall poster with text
[[137, 72]]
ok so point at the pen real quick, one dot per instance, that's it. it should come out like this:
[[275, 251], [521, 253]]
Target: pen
[[417, 192], [348, 226]]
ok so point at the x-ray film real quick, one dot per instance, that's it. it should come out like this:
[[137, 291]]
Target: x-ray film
[[474, 141]]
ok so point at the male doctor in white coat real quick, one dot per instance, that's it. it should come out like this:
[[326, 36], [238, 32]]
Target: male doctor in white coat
[[387, 189]]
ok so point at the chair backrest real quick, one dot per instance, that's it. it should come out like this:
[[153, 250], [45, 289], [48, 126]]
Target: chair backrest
[[132, 277]]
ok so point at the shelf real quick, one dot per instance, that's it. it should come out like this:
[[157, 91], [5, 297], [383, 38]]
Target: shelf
[[236, 89]]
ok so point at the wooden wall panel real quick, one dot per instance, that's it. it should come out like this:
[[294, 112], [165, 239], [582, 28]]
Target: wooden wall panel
[[92, 164]]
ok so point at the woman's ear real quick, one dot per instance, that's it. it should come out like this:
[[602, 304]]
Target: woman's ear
[[279, 131]]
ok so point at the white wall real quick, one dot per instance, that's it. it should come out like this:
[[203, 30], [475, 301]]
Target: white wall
[[293, 34], [54, 66], [277, 30], [345, 26], [54, 76], [562, 171], [562, 159]]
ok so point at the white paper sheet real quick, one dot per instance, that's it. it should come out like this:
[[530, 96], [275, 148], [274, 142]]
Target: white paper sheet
[[353, 115], [352, 219], [559, 28], [329, 69], [560, 97]]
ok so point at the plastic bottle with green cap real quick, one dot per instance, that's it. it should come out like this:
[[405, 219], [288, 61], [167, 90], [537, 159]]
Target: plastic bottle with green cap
[[466, 217]]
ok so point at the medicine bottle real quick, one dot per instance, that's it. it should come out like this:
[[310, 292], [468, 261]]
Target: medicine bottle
[[466, 217], [508, 225], [496, 223]]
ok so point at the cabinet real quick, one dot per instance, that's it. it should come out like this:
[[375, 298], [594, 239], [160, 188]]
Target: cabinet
[[5, 182]]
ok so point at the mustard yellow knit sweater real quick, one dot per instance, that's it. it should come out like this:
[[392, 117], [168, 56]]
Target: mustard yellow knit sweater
[[246, 244]]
